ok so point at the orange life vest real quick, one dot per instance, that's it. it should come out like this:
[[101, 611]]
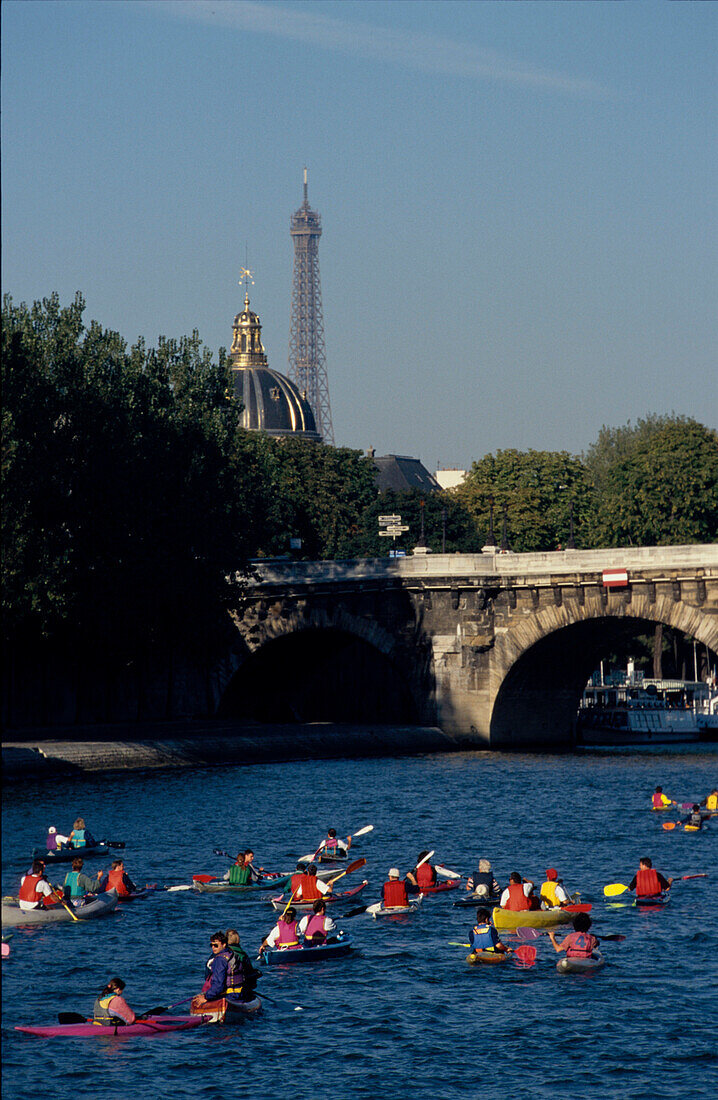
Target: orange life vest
[[308, 886], [425, 876], [648, 884], [115, 882], [394, 893], [28, 889], [518, 901]]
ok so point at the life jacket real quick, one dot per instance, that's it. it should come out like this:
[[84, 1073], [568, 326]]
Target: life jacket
[[308, 884], [331, 844], [483, 878], [115, 881], [239, 875], [483, 938], [78, 838], [315, 929], [648, 884], [712, 802], [287, 933], [549, 893], [695, 820], [517, 901], [659, 801], [28, 890], [72, 884], [51, 842], [425, 876], [394, 893], [580, 945], [101, 1012]]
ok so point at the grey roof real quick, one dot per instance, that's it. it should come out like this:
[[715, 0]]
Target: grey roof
[[272, 403], [400, 472]]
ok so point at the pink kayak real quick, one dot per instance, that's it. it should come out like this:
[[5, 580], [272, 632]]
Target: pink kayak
[[152, 1025]]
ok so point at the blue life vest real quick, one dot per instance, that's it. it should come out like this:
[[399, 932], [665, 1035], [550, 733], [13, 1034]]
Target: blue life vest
[[72, 884], [78, 838], [484, 937]]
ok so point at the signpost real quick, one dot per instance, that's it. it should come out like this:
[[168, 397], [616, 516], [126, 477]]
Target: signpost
[[391, 527]]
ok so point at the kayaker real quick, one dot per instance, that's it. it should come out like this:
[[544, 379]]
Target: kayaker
[[55, 840], [306, 886], [111, 1007], [238, 874], [332, 846], [116, 879], [77, 883], [225, 975], [552, 892], [648, 883], [394, 892], [424, 874], [711, 801], [579, 944], [659, 800], [316, 927], [81, 837], [249, 971], [35, 891], [285, 933], [254, 874], [484, 937], [694, 818], [482, 882], [518, 894]]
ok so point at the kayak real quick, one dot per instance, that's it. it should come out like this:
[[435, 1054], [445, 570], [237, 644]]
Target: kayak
[[219, 886], [13, 916], [334, 949], [477, 957], [441, 887], [536, 918], [306, 906], [473, 901], [580, 966], [66, 855], [153, 1025], [223, 1011], [656, 902], [379, 910], [137, 894]]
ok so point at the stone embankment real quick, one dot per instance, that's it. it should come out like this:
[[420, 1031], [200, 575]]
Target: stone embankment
[[76, 751]]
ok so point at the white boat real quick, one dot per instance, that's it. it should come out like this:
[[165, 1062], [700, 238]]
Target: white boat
[[630, 710]]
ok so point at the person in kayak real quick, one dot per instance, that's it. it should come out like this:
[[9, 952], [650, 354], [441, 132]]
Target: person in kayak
[[552, 892], [285, 933], [81, 837], [660, 801], [77, 883], [648, 883], [694, 818], [711, 801], [394, 892], [111, 1007], [423, 875], [35, 891], [224, 975], [332, 846], [250, 973], [306, 886], [482, 882], [579, 944], [518, 895], [484, 937], [116, 879], [239, 874], [316, 927], [55, 841], [254, 874]]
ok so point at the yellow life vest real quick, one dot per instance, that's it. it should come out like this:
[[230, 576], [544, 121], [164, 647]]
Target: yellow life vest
[[549, 894], [712, 802]]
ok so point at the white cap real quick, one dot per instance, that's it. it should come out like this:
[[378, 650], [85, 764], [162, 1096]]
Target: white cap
[[52, 829], [394, 872]]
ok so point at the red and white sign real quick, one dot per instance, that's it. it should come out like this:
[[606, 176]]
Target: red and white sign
[[615, 578]]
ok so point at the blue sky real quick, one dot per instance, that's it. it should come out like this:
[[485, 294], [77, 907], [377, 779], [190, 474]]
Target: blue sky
[[518, 199]]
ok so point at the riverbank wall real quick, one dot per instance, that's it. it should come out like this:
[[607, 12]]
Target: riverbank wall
[[43, 753]]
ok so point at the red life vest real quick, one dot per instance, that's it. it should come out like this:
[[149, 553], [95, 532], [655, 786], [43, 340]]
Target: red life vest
[[647, 883], [518, 901], [394, 893], [115, 882], [287, 933], [28, 889], [580, 945], [315, 929], [308, 887], [425, 876]]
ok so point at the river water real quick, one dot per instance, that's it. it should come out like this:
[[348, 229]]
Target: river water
[[405, 1016]]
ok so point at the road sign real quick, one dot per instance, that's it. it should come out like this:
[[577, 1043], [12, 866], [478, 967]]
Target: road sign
[[395, 529], [389, 519]]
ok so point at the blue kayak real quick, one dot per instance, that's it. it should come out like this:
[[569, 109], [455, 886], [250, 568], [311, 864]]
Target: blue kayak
[[291, 956]]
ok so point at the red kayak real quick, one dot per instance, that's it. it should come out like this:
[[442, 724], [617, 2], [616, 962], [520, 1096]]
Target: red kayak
[[152, 1025], [441, 887]]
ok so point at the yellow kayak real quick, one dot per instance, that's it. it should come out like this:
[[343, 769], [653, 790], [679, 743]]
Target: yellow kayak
[[508, 919], [490, 957]]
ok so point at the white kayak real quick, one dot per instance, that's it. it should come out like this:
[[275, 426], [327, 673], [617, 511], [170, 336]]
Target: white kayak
[[580, 966], [378, 909], [13, 916]]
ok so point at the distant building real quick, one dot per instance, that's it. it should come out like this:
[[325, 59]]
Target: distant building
[[401, 473], [271, 403], [449, 479]]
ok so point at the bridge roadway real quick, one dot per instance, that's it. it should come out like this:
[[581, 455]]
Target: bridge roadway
[[495, 648]]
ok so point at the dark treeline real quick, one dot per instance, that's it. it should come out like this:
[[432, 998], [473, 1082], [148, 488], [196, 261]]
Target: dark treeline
[[133, 501]]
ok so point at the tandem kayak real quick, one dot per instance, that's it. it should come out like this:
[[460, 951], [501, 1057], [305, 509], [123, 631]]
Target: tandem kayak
[[66, 855], [152, 1025], [509, 919], [580, 966], [379, 910], [286, 956], [477, 957], [223, 1011], [13, 916], [219, 886], [306, 906]]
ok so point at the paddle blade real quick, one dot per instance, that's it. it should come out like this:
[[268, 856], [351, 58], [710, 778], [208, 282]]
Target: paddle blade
[[445, 872], [525, 955], [115, 843], [203, 878], [669, 824], [614, 889], [71, 1018], [424, 860], [355, 912], [361, 832], [684, 878], [614, 937], [453, 943], [527, 933]]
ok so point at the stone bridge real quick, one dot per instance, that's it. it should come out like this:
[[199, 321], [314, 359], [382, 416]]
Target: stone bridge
[[495, 648]]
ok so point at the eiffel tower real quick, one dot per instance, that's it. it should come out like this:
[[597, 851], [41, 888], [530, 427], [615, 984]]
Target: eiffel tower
[[307, 361]]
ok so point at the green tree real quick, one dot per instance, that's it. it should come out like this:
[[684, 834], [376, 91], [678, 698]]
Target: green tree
[[538, 489], [447, 523]]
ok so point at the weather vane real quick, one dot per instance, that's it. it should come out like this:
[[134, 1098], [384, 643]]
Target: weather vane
[[246, 277]]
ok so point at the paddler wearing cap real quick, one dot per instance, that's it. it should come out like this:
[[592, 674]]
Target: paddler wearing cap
[[394, 892], [55, 840], [553, 895]]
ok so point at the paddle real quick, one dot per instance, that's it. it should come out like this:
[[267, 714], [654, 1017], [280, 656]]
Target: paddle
[[359, 832], [71, 1018], [669, 824], [684, 878], [352, 867], [534, 933], [445, 872], [614, 889], [453, 943], [525, 956], [203, 878], [114, 843], [60, 898]]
